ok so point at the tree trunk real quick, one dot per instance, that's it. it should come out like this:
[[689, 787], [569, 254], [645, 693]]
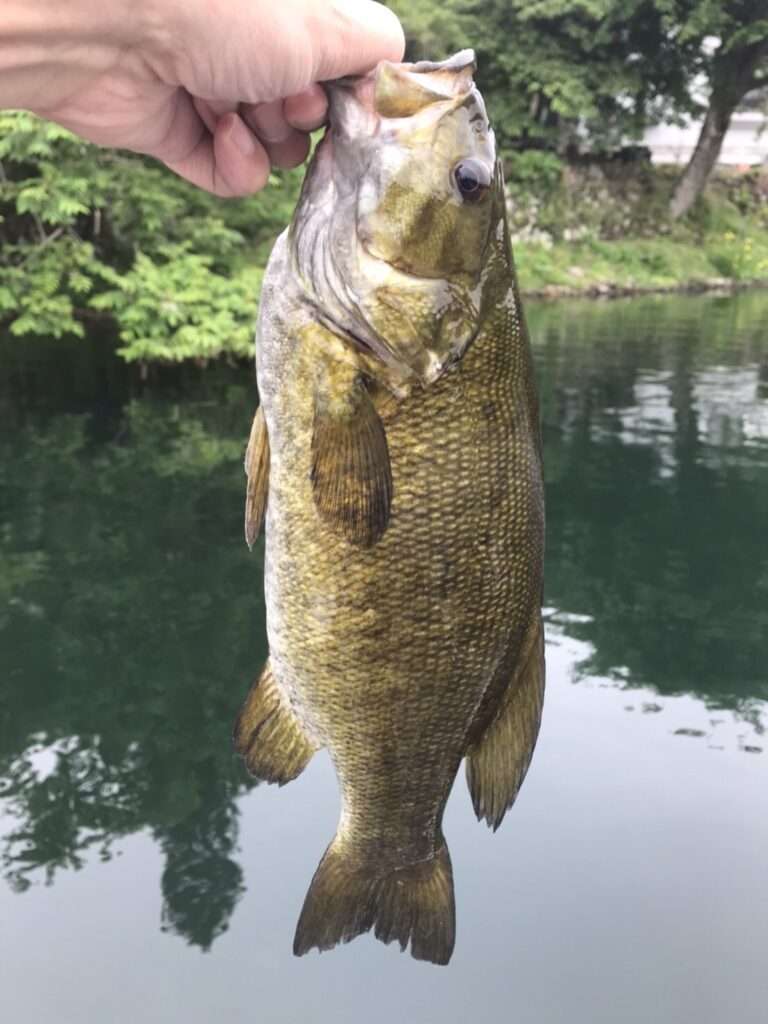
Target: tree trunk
[[732, 76], [696, 174]]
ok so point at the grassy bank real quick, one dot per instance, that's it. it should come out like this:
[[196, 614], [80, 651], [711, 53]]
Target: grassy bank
[[595, 234], [598, 267]]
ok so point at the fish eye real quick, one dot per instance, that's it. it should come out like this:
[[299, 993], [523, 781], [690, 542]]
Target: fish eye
[[473, 179]]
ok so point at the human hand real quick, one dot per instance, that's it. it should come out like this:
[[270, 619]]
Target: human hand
[[219, 90]]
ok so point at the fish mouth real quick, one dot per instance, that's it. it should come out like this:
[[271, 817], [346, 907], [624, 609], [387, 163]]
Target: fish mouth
[[357, 102], [464, 60], [461, 61]]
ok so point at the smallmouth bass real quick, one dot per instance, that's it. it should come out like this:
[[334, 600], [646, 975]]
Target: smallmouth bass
[[396, 459]]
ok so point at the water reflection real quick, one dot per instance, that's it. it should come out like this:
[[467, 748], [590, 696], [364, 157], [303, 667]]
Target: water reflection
[[130, 623], [131, 617], [657, 475]]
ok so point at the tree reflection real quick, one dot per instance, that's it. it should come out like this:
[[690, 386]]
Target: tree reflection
[[131, 625], [657, 481], [201, 882]]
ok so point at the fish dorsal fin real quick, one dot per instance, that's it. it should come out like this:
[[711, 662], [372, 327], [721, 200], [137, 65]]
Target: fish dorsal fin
[[404, 89]]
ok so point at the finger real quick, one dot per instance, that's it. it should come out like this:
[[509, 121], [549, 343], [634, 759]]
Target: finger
[[241, 163], [291, 153], [231, 162], [220, 107], [309, 41], [211, 110], [207, 116], [285, 146], [307, 110], [267, 120], [353, 36]]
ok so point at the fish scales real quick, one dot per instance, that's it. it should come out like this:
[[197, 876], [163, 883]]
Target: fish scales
[[399, 652]]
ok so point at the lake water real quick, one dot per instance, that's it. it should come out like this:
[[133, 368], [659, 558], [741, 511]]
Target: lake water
[[146, 879]]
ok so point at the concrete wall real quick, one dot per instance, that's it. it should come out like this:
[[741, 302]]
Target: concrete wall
[[745, 143]]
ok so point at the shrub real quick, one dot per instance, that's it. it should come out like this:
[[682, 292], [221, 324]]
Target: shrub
[[87, 232]]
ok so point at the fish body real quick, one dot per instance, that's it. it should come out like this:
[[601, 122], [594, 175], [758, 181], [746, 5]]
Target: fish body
[[404, 504]]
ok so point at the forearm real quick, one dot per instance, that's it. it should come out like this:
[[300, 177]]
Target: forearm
[[48, 47]]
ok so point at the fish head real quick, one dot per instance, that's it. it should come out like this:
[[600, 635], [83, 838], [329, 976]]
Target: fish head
[[401, 214]]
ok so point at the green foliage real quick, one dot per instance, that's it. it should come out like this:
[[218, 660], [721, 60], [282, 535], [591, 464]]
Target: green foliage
[[92, 236], [563, 72], [89, 233], [535, 170], [175, 307], [739, 257], [725, 238], [590, 73]]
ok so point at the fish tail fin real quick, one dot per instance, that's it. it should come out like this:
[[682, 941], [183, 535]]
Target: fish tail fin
[[412, 903], [268, 735]]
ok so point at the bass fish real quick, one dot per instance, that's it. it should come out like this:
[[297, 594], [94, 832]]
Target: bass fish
[[396, 459]]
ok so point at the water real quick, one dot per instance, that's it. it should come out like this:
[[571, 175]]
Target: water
[[147, 879]]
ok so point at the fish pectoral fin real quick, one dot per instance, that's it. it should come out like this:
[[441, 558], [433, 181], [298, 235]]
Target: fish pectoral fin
[[350, 895], [498, 760], [257, 471], [268, 734], [351, 473]]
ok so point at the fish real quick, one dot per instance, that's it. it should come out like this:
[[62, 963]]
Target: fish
[[395, 464]]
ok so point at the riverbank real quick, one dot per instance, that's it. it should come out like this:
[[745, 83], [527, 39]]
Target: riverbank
[[637, 266], [601, 233]]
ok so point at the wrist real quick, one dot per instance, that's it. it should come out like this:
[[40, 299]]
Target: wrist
[[50, 47]]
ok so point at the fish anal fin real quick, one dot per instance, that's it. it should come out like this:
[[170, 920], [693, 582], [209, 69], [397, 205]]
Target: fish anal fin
[[257, 471], [498, 759], [268, 734], [351, 473], [412, 903]]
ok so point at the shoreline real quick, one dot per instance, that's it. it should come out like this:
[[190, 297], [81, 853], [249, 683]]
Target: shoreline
[[617, 290]]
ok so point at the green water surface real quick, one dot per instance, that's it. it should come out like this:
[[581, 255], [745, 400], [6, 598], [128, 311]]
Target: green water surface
[[146, 879]]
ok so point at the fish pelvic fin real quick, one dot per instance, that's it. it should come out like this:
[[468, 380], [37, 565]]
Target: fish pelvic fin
[[257, 471], [268, 734], [410, 904], [498, 761], [351, 473]]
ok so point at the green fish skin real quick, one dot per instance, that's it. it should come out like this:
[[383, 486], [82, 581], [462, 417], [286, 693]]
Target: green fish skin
[[396, 460]]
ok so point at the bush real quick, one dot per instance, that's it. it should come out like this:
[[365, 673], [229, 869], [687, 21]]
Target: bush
[[87, 232], [534, 170]]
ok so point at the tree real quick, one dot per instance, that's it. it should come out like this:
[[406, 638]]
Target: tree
[[738, 64], [559, 73], [88, 234]]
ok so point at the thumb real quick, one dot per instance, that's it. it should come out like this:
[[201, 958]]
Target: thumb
[[353, 36]]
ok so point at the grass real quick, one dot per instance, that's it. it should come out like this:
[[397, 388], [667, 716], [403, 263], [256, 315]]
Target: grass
[[724, 239], [642, 263]]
